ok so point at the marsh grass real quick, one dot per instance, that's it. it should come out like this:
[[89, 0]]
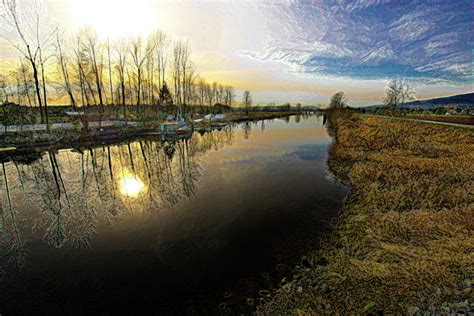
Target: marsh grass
[[406, 239]]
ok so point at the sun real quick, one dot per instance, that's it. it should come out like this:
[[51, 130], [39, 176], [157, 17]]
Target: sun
[[115, 18]]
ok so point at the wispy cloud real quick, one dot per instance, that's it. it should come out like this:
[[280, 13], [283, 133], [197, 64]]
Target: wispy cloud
[[371, 38]]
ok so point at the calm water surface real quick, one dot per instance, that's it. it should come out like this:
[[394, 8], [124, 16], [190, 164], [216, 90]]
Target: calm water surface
[[195, 226]]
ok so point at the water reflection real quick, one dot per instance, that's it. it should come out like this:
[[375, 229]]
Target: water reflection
[[167, 226], [65, 195], [131, 185]]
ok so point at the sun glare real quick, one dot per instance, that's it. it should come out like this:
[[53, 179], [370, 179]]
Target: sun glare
[[131, 185], [115, 18]]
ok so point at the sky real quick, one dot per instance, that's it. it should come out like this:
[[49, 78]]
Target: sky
[[301, 50]]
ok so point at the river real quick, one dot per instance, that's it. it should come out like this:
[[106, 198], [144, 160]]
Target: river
[[198, 226]]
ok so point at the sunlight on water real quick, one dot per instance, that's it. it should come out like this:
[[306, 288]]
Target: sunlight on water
[[131, 185]]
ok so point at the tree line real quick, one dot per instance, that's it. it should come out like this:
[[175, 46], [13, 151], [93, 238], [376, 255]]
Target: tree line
[[90, 71], [397, 93]]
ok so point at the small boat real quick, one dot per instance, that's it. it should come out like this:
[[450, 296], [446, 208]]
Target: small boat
[[184, 130], [218, 124]]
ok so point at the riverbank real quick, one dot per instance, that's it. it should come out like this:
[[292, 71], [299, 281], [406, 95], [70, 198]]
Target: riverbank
[[455, 119], [405, 241], [32, 139]]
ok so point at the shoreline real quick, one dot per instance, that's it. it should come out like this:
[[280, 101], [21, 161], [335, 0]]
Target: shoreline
[[414, 246], [18, 143]]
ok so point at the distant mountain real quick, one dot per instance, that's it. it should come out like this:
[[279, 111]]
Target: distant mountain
[[461, 100]]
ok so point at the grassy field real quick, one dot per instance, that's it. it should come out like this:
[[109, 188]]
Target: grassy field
[[457, 119], [405, 242]]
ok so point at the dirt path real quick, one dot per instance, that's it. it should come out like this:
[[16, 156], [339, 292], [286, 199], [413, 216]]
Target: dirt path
[[423, 121]]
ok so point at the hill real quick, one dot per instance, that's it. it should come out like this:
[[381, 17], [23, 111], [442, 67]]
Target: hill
[[461, 100]]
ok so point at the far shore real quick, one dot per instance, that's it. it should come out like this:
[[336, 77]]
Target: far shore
[[27, 141]]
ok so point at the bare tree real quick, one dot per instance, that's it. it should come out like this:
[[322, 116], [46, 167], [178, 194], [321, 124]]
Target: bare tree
[[214, 92], [121, 52], [177, 51], [247, 100], [62, 60], [27, 83], [85, 69], [110, 71], [338, 100], [182, 69], [189, 86], [3, 90], [155, 63], [6, 86], [209, 94], [201, 86], [398, 92], [94, 51], [139, 54], [80, 74], [185, 67], [130, 85], [161, 56], [221, 93], [150, 69], [38, 35], [229, 95]]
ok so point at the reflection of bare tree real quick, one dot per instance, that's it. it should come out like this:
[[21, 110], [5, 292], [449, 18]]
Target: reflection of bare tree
[[247, 129], [189, 172], [13, 243], [75, 191]]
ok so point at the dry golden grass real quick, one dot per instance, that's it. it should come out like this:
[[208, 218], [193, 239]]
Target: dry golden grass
[[406, 238]]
